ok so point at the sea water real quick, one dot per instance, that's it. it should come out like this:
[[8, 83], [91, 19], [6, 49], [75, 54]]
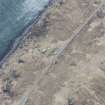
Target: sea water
[[15, 15]]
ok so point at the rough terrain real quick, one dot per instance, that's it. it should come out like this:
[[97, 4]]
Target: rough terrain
[[77, 77]]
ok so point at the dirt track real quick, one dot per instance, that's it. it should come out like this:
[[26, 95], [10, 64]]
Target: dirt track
[[78, 75]]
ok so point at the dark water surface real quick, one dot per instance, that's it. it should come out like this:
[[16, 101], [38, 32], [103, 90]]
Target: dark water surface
[[15, 15]]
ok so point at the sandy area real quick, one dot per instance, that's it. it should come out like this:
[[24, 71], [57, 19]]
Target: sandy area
[[77, 77]]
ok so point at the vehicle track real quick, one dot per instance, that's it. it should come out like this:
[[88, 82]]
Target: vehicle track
[[34, 87]]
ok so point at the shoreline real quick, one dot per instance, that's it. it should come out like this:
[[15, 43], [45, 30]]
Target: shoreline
[[83, 59], [24, 34]]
